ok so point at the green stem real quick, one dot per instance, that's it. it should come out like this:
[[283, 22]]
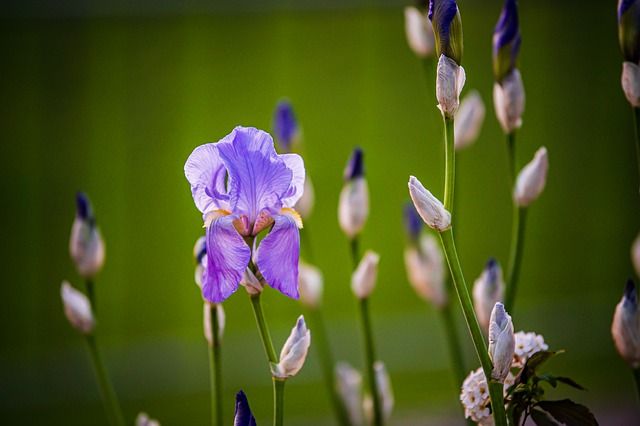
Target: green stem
[[515, 256], [370, 359], [497, 402], [513, 158], [636, 128], [278, 401], [470, 317], [321, 342], [215, 368], [264, 330], [449, 165], [455, 352], [636, 378], [111, 404], [91, 295], [354, 252]]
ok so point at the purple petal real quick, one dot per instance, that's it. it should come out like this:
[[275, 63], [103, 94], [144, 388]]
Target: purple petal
[[258, 178], [285, 126], [278, 254], [294, 163], [243, 416], [227, 258], [206, 174]]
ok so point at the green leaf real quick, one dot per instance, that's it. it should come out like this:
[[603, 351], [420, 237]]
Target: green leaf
[[547, 377], [536, 360], [570, 382], [568, 412], [541, 418]]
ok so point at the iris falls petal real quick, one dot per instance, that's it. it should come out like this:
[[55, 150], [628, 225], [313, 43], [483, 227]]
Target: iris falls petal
[[206, 174]]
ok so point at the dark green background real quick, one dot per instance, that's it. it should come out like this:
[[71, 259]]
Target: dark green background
[[112, 98]]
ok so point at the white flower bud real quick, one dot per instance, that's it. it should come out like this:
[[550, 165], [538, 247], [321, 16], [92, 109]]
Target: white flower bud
[[294, 351], [353, 209], [419, 32], [469, 119], [305, 204], [631, 83], [487, 290], [86, 246], [531, 180], [449, 84], [363, 279], [208, 323], [508, 100], [77, 308], [200, 257], [431, 210], [635, 254], [501, 342], [385, 392], [349, 387], [626, 326], [143, 419], [251, 283], [310, 284], [426, 270]]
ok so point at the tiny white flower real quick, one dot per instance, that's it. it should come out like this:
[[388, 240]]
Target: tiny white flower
[[294, 351], [487, 290], [208, 323], [431, 210], [310, 284], [508, 100], [143, 419], [77, 308], [469, 119], [631, 83], [625, 328], [363, 279], [426, 270], [86, 245], [532, 179], [526, 345], [349, 387], [449, 84], [475, 398], [419, 32], [635, 254], [501, 342], [305, 204]]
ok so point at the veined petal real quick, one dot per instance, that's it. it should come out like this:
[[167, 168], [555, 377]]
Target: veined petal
[[258, 177], [277, 256], [227, 258], [206, 173], [294, 163]]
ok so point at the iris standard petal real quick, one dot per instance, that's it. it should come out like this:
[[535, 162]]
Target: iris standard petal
[[258, 178], [294, 163], [277, 256], [227, 258], [206, 173]]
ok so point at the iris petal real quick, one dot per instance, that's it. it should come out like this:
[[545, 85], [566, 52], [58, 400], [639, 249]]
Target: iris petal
[[227, 258], [294, 163], [277, 256], [206, 173]]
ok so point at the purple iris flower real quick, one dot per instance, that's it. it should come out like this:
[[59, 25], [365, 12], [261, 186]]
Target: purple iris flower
[[243, 187], [285, 125], [243, 415], [413, 223], [506, 41], [447, 28], [629, 29]]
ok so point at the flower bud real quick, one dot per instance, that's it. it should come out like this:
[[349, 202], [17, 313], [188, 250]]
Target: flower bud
[[77, 308], [210, 308], [508, 100], [629, 29], [310, 285], [447, 28], [385, 392], [469, 119], [349, 387], [449, 84], [426, 270], [200, 257], [353, 208], [363, 279], [631, 83], [243, 415], [294, 351], [285, 126], [635, 254], [419, 32], [501, 342], [431, 210], [506, 41], [626, 326], [412, 222], [487, 290], [531, 180], [143, 419], [251, 283], [305, 204], [86, 245]]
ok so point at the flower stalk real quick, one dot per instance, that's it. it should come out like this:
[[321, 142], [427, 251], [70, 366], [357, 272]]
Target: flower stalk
[[370, 359], [215, 360], [278, 401], [450, 164], [111, 403], [515, 255]]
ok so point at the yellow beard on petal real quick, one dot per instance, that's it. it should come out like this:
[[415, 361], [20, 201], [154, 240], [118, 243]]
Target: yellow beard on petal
[[286, 211], [213, 215]]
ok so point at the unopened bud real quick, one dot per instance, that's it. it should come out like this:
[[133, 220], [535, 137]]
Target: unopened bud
[[426, 270], [243, 415], [631, 83], [310, 285], [294, 351], [77, 308], [143, 419], [285, 126], [501, 342], [506, 41], [431, 210], [349, 387], [531, 180], [217, 310], [508, 100], [469, 119], [363, 279], [629, 29], [353, 207], [447, 28], [635, 254], [385, 393], [449, 84], [487, 290], [86, 245], [419, 32], [251, 283], [626, 326], [200, 258]]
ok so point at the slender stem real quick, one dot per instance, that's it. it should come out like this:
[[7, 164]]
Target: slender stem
[[513, 158], [636, 378], [455, 352], [91, 295], [370, 359], [515, 256], [470, 317], [215, 368], [449, 165], [321, 342], [278, 401], [636, 127], [264, 330], [111, 403], [355, 257]]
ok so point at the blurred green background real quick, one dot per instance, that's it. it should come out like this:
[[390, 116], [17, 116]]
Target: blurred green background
[[111, 98]]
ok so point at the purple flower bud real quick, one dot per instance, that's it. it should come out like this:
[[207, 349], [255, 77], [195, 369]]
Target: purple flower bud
[[355, 166], [243, 416], [506, 41], [412, 222], [501, 342], [285, 126], [86, 246], [447, 28], [83, 209], [629, 29], [626, 326]]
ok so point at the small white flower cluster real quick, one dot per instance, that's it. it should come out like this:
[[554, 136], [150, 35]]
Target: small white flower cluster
[[475, 392]]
